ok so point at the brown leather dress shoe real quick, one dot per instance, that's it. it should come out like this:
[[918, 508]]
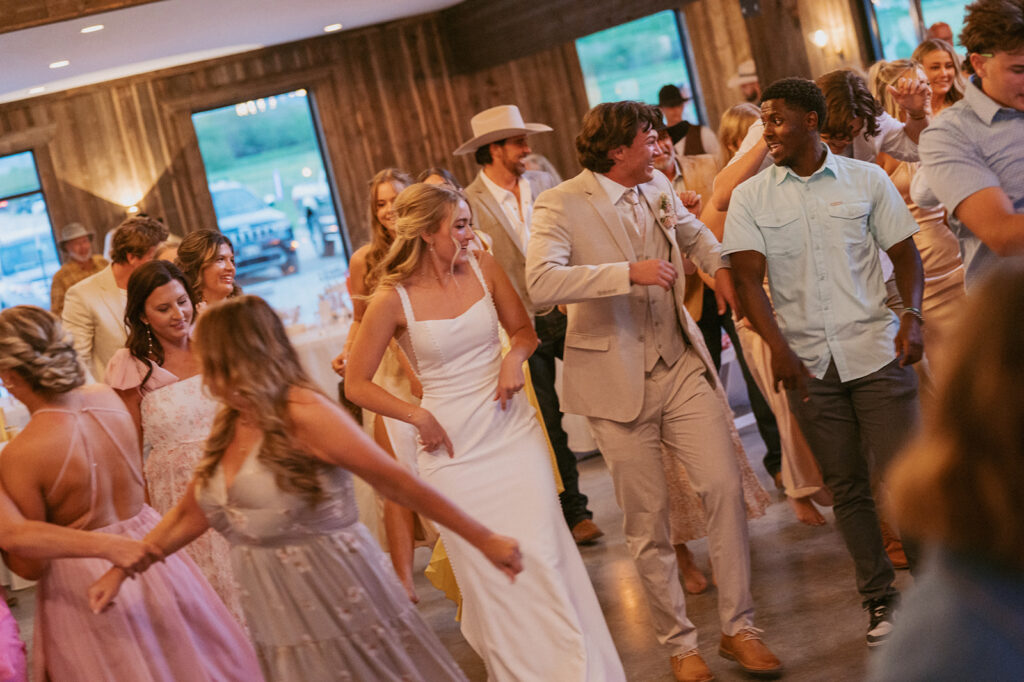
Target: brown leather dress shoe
[[690, 667], [747, 649], [586, 531]]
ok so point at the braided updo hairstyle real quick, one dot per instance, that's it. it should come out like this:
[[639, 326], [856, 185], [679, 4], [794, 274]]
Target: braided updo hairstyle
[[33, 344]]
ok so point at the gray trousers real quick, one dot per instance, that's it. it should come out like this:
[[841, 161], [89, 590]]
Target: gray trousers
[[847, 424], [681, 413]]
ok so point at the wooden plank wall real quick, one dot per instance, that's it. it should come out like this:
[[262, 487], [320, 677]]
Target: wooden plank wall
[[719, 42], [384, 96], [18, 14]]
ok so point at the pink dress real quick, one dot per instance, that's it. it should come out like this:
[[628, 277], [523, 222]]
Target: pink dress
[[166, 624], [176, 419], [12, 649]]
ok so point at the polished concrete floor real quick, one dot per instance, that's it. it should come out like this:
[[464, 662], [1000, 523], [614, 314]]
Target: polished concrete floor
[[803, 587]]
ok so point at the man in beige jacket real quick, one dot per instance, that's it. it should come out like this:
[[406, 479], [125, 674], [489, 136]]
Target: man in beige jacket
[[610, 243]]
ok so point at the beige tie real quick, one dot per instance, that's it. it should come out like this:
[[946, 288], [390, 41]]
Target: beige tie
[[631, 198]]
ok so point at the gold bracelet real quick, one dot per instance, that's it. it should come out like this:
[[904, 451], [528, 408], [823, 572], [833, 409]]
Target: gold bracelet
[[924, 115]]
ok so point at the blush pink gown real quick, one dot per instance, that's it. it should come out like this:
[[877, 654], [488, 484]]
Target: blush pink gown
[[12, 649], [165, 625]]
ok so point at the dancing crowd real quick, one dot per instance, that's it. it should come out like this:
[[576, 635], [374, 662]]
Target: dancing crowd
[[853, 236]]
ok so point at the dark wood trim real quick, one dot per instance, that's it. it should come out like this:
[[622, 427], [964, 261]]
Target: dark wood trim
[[16, 15]]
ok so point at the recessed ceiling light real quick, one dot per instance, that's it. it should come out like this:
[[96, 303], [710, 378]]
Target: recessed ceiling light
[[59, 65], [37, 90], [332, 28], [93, 28]]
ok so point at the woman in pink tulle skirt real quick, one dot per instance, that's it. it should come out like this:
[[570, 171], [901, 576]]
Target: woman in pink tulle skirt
[[77, 463]]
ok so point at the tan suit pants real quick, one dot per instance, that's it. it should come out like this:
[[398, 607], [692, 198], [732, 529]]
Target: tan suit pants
[[682, 414]]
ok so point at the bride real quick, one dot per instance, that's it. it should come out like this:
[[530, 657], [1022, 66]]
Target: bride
[[479, 440]]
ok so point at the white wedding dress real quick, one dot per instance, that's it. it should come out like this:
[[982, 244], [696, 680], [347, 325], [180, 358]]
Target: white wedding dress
[[547, 625]]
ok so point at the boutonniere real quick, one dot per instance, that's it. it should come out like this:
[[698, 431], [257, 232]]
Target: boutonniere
[[666, 212]]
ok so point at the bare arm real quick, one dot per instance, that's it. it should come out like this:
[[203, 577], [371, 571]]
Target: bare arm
[[177, 528], [730, 177], [989, 214], [357, 271], [748, 269], [516, 322], [382, 321], [910, 281], [332, 436]]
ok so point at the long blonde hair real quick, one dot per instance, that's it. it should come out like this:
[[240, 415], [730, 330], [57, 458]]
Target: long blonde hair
[[420, 210], [735, 123], [956, 92], [247, 359], [962, 482], [380, 238]]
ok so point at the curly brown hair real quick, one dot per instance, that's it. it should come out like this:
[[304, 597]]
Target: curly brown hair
[[609, 126], [380, 238], [847, 97], [993, 26], [195, 253]]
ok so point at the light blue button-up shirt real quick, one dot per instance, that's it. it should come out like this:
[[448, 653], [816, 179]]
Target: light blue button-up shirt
[[973, 145], [820, 237]]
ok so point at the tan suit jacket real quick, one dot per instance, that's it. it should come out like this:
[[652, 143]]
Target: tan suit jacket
[[579, 254], [491, 219], [94, 314]]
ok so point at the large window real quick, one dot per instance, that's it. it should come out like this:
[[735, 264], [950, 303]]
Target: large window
[[28, 254], [634, 60], [273, 199], [901, 24]]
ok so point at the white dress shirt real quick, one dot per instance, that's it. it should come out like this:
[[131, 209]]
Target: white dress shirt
[[512, 206]]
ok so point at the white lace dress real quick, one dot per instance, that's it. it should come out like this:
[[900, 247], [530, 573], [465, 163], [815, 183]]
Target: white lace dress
[[176, 419]]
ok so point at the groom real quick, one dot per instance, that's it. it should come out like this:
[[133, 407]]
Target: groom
[[610, 243]]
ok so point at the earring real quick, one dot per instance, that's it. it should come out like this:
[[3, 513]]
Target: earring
[[149, 337]]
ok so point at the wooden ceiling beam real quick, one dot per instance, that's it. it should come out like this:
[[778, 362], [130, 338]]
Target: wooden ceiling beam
[[16, 15]]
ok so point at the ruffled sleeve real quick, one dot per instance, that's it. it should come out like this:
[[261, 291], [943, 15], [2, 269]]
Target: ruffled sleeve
[[125, 371]]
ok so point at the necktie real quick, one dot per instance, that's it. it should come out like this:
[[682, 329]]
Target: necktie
[[631, 198]]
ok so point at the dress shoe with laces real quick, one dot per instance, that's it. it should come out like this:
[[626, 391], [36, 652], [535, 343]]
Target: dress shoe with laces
[[690, 667], [585, 532], [747, 649]]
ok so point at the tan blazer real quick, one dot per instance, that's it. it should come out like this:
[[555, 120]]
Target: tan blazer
[[579, 254], [94, 314], [490, 219]]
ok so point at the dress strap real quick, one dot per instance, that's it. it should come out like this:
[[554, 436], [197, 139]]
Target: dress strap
[[406, 303], [479, 273]]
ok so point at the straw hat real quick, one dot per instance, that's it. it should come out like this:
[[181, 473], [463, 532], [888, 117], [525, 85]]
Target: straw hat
[[745, 74], [73, 231], [498, 123]]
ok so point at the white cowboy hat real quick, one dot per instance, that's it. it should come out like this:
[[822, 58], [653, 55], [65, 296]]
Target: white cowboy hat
[[745, 74], [73, 231], [498, 123]]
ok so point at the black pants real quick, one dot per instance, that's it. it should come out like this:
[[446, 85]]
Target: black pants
[[711, 325], [551, 331]]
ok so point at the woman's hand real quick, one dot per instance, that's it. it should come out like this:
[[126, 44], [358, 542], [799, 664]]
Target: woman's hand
[[338, 364], [504, 553], [510, 380], [432, 434], [130, 555], [103, 591]]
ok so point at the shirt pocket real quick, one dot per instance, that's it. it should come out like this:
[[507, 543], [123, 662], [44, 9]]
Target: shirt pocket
[[583, 341], [851, 220], [782, 231]]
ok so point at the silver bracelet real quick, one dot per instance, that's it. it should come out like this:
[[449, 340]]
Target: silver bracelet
[[916, 312]]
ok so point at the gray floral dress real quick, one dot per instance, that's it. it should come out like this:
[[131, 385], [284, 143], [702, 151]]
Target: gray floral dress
[[321, 599]]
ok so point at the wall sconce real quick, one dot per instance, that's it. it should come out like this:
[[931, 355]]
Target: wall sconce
[[132, 210], [822, 38]]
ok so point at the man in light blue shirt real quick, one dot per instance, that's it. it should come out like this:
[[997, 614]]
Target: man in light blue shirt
[[817, 220], [973, 155]]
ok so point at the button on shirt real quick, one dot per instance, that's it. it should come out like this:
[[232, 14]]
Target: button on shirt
[[510, 206], [973, 145], [821, 237]]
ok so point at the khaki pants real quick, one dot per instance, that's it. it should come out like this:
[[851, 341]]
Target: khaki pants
[[682, 414]]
